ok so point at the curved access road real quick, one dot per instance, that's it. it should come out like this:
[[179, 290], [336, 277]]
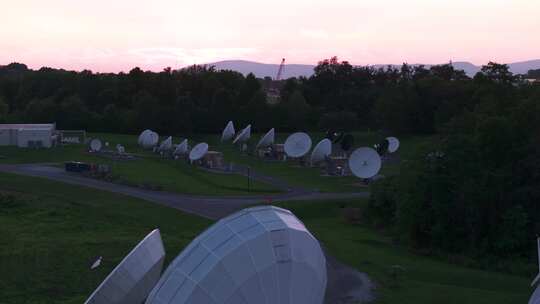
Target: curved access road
[[212, 207]]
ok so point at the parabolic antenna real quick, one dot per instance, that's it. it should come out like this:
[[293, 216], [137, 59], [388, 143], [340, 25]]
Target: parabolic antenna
[[95, 145], [321, 151], [120, 149], [133, 279], [244, 135], [143, 134], [166, 145], [297, 144], [256, 255], [182, 148], [149, 139], [365, 162], [393, 144], [198, 151], [228, 132], [266, 140]]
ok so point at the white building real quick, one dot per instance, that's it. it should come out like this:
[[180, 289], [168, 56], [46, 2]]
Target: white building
[[27, 135]]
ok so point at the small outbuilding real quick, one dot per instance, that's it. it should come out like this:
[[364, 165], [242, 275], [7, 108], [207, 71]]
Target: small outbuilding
[[213, 160], [28, 135]]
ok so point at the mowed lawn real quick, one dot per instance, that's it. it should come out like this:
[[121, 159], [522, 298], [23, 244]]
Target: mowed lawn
[[52, 232], [148, 169], [181, 177]]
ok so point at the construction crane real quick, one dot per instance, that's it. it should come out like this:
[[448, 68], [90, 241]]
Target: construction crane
[[280, 70]]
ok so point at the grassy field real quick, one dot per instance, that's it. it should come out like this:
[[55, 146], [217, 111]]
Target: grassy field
[[311, 177], [424, 280], [175, 176], [51, 234], [180, 177]]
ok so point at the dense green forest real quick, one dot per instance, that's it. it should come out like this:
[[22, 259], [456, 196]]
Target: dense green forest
[[474, 192]]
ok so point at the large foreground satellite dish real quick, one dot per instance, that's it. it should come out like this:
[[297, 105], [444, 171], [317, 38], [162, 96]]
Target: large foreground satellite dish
[[365, 162], [257, 255], [95, 145], [228, 132], [133, 279], [535, 298], [182, 148], [321, 151], [393, 144], [244, 135], [198, 151], [297, 144], [266, 140], [166, 145]]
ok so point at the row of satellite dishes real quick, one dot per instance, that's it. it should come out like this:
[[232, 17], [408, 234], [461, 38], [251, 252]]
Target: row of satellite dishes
[[96, 146], [149, 139], [364, 162]]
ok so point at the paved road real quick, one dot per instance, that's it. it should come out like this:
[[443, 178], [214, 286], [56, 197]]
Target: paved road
[[211, 207], [345, 284]]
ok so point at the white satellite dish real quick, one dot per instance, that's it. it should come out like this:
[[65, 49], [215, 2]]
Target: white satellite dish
[[120, 149], [96, 263], [166, 145], [365, 162], [297, 144], [266, 140], [133, 279], [321, 151], [149, 139], [257, 255], [393, 144], [244, 135], [181, 148], [95, 145], [198, 151], [228, 132], [143, 135]]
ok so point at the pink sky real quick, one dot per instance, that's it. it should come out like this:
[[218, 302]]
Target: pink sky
[[115, 35]]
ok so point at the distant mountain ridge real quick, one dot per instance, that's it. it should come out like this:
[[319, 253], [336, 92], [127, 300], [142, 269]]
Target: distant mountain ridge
[[262, 70]]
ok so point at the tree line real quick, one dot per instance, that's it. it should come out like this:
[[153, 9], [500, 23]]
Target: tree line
[[408, 100], [474, 191]]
